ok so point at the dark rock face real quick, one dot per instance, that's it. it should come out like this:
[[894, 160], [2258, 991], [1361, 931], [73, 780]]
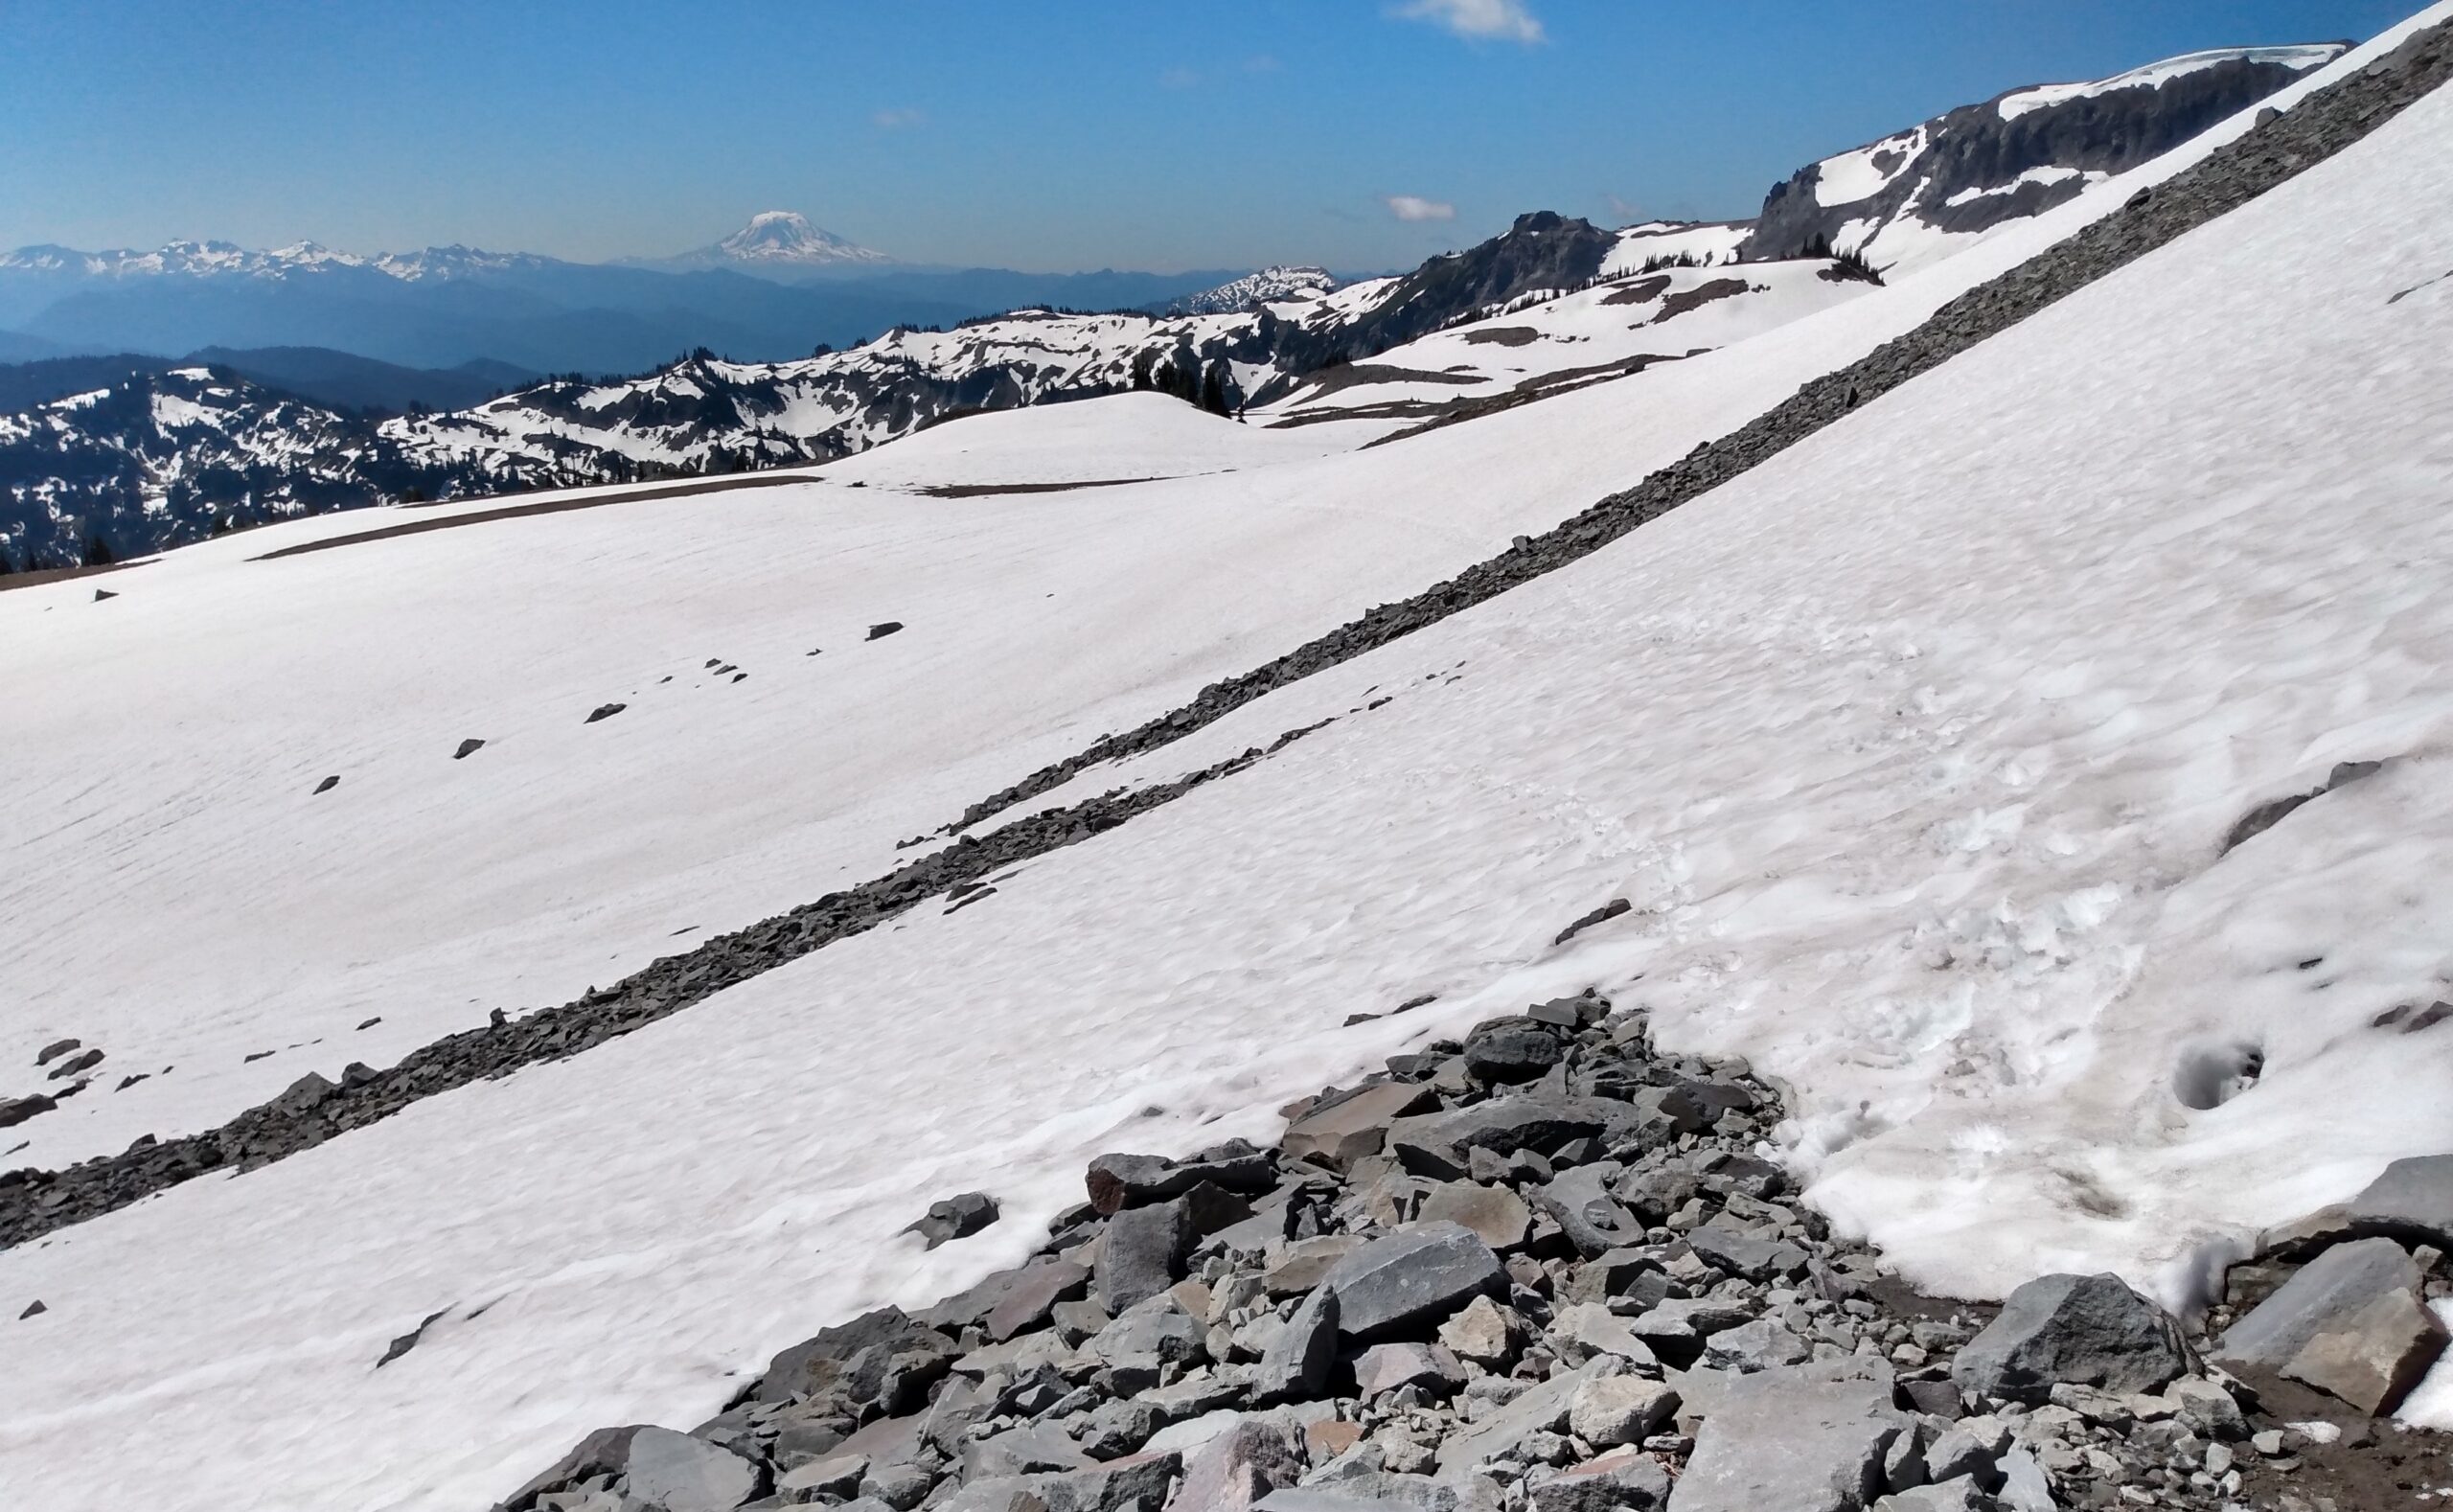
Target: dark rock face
[[1117, 1182], [1973, 148], [881, 632], [604, 711], [468, 747], [2072, 1330], [1143, 1256]]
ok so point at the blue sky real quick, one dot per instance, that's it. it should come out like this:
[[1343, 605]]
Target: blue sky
[[1040, 134]]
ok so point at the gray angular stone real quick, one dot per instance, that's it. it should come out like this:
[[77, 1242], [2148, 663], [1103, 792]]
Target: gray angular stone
[[1302, 1264], [602, 1452], [304, 1095], [1298, 1361], [1485, 1332], [2088, 1330], [1609, 1411], [1411, 1278], [1011, 1301], [1959, 1494], [673, 1471], [1385, 1367], [1337, 1133], [1366, 1491], [1497, 1215], [1512, 1049], [1257, 1455], [1022, 1452], [1794, 1439], [835, 1476], [1143, 1338], [957, 1217], [1759, 1346], [1541, 1409], [1121, 1182], [1755, 1258], [1593, 1220], [1439, 1144], [1594, 1329], [814, 1364], [1140, 1256], [2354, 1322], [2024, 1486], [1623, 1478]]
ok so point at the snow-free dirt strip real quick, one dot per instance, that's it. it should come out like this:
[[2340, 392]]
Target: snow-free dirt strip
[[1913, 748]]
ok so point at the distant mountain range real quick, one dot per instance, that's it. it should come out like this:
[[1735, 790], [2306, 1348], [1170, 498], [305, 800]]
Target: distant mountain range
[[162, 455], [778, 288], [778, 244]]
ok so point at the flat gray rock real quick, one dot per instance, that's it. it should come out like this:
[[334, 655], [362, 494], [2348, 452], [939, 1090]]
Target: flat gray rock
[[1593, 1219], [1542, 1409], [2082, 1330], [2412, 1200], [2354, 1322], [675, 1473], [1757, 1259], [1497, 1215], [1414, 1277], [1385, 1367], [1624, 1478], [1792, 1440], [1365, 1491], [1339, 1132]]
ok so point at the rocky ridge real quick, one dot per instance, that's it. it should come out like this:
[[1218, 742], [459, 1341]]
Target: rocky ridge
[[1544, 1269]]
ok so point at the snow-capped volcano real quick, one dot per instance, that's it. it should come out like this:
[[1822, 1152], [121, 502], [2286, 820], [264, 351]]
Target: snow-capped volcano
[[778, 243]]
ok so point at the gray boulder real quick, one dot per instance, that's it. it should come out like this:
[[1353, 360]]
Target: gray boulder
[[1512, 1049], [1365, 1491], [1335, 1133], [1412, 1278], [1385, 1367], [2354, 1323], [2082, 1330], [812, 1365], [1622, 1479], [2412, 1200], [958, 1217], [1235, 1469], [1118, 1181], [1592, 1219], [1542, 1409], [1141, 1255], [1619, 1409], [1296, 1366], [1755, 1258], [1014, 1301], [1497, 1215], [1302, 1264], [1439, 1144], [673, 1471], [1796, 1439], [602, 1452]]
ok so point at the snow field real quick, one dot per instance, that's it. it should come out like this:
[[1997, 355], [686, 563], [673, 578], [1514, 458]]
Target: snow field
[[1911, 748]]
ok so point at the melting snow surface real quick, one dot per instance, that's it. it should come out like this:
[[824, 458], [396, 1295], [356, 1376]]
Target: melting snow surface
[[1912, 750]]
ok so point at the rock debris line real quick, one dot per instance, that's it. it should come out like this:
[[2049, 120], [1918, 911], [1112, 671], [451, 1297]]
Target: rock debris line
[[2279, 149], [1549, 1270], [312, 1110], [34, 1203]]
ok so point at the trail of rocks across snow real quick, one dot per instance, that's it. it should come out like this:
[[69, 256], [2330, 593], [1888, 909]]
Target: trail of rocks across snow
[[1912, 750], [1546, 1269]]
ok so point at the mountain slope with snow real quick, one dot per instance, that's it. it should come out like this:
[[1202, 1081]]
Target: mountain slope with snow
[[1919, 193], [778, 243], [1915, 749]]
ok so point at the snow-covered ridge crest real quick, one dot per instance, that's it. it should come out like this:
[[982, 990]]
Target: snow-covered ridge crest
[[1920, 194], [1273, 284]]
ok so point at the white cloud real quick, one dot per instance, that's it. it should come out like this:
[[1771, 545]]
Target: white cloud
[[897, 120], [1414, 207], [1504, 19]]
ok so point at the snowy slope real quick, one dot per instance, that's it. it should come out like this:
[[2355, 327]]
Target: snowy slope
[[635, 1223], [1270, 285], [1923, 194], [1551, 345], [1122, 437]]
